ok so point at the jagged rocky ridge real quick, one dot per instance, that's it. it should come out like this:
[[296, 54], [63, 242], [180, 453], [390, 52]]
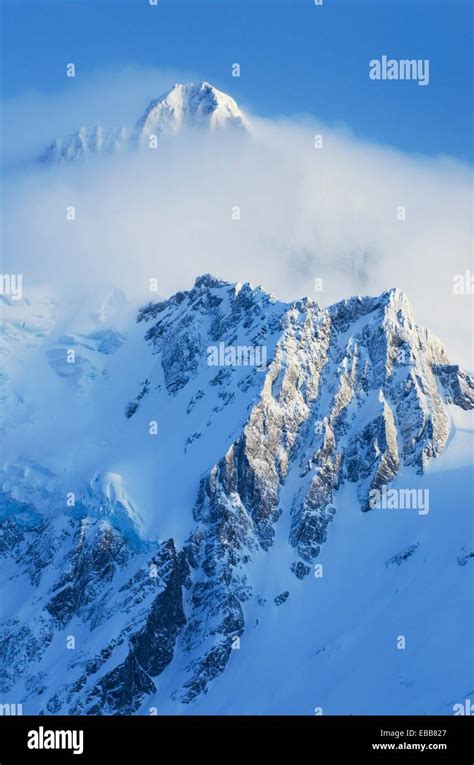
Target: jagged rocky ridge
[[354, 393]]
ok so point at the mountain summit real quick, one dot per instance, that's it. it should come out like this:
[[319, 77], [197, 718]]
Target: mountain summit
[[190, 105], [185, 106]]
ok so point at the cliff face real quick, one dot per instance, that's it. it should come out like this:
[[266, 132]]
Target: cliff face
[[353, 395]]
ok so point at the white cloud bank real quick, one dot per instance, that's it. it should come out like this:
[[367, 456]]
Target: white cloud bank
[[305, 213]]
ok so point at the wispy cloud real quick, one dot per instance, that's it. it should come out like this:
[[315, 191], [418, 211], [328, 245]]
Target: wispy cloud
[[332, 212], [110, 97]]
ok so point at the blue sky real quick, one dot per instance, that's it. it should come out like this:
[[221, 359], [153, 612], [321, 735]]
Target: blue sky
[[295, 57]]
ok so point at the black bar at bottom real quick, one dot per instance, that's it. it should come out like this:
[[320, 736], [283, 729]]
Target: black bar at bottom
[[137, 739]]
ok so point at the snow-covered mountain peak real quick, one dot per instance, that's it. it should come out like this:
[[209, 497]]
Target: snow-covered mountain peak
[[190, 105], [185, 106], [84, 144], [395, 295], [208, 281]]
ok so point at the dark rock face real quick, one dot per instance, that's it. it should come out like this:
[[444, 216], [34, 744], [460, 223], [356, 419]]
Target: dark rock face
[[403, 555], [77, 565], [123, 689], [311, 518], [372, 456], [132, 406], [96, 555], [458, 385], [153, 646], [120, 691], [465, 557], [299, 569], [218, 551], [349, 395]]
